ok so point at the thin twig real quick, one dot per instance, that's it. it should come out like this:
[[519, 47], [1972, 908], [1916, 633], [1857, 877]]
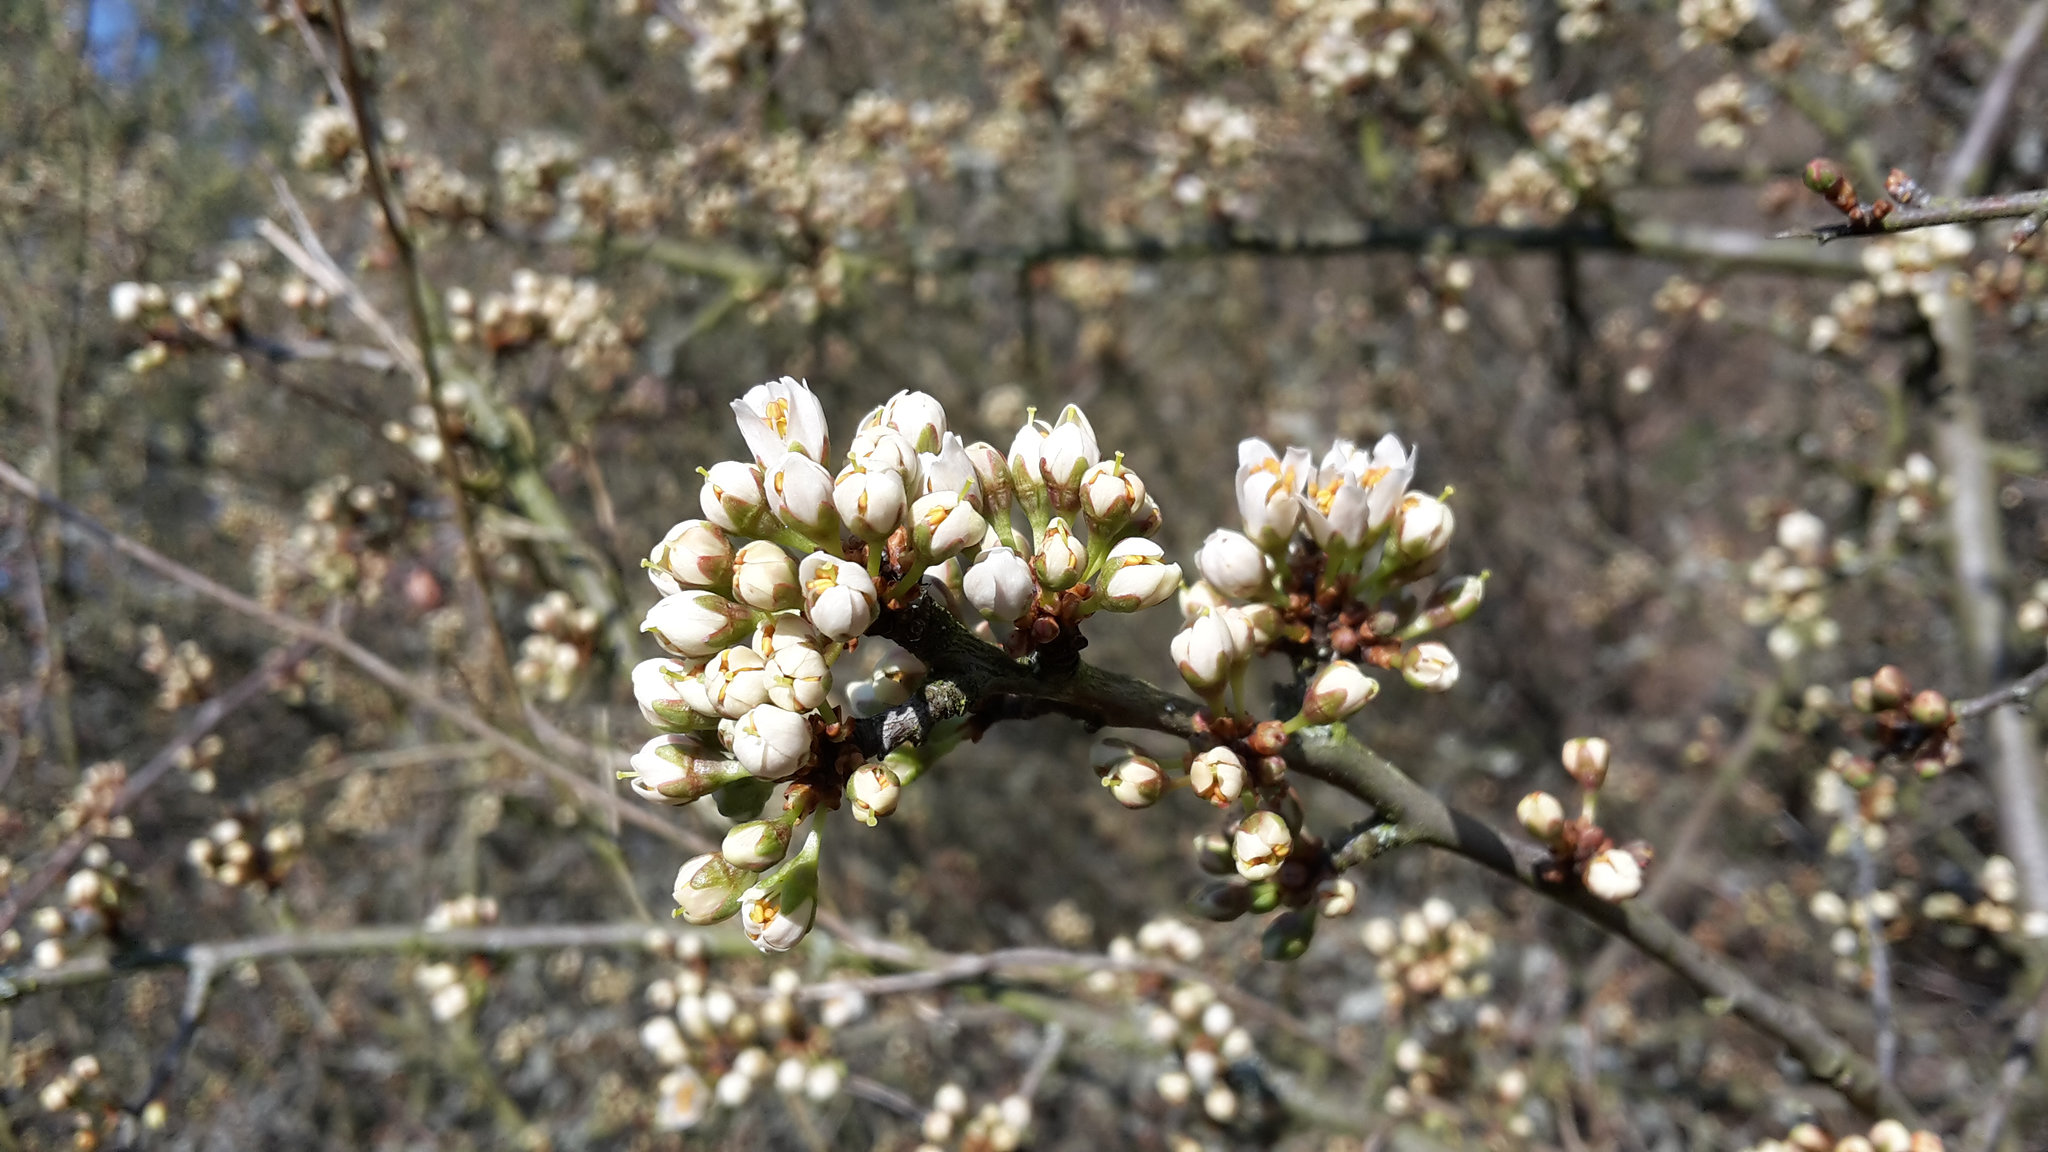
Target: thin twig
[[371, 664], [1882, 1017], [2020, 692], [205, 719], [369, 131], [1972, 210]]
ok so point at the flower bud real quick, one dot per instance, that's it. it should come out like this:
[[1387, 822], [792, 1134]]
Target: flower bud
[[1233, 564], [758, 845], [1206, 652], [1336, 897], [1221, 901], [871, 504], [772, 743], [1000, 585], [950, 470], [1889, 688], [1929, 708], [656, 688], [735, 681], [1339, 690], [1260, 845], [1212, 855], [697, 623], [1289, 935], [800, 493], [1422, 531], [1585, 757], [879, 448], [1136, 781], [124, 302], [1218, 776], [776, 914], [783, 416], [1270, 488], [1061, 559], [992, 476], [1024, 464], [675, 769], [764, 577], [1542, 816], [1199, 599], [942, 525], [1110, 492], [1614, 875], [1430, 667], [708, 889], [1456, 601], [1136, 576], [919, 417], [694, 555], [1067, 454], [839, 598], [798, 678], [734, 499], [786, 630], [874, 792]]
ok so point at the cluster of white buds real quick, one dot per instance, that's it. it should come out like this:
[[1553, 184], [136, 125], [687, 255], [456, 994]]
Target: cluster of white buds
[[1850, 921], [89, 907], [793, 563], [184, 672], [574, 315], [1344, 47], [1727, 112], [448, 990], [197, 759], [554, 656], [1917, 489], [466, 911], [208, 313], [327, 135], [343, 547], [717, 1051], [1210, 1047], [1789, 584], [1325, 566], [1578, 846], [1581, 20], [1916, 729], [997, 1126], [76, 1088], [1429, 953], [1713, 21], [1884, 1136], [1995, 909], [240, 851]]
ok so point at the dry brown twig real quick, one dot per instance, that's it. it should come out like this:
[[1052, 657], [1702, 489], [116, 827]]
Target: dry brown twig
[[371, 664]]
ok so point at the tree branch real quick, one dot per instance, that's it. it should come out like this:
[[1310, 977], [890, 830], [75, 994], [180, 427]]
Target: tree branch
[[1072, 687]]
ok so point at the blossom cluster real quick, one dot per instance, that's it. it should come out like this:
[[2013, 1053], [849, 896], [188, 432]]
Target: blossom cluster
[[792, 563], [1579, 847]]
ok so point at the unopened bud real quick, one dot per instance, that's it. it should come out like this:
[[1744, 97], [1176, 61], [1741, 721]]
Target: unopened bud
[[758, 845], [1221, 901], [1136, 781], [734, 499], [1614, 875], [1289, 935], [1889, 688], [1000, 585], [1337, 897], [1218, 776], [1430, 667], [1212, 855], [943, 524], [1261, 844], [1061, 558], [1339, 690], [1929, 708], [1542, 816], [1585, 757], [875, 791], [708, 889]]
